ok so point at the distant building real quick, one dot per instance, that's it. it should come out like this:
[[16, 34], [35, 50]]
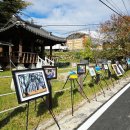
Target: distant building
[[57, 47], [76, 41]]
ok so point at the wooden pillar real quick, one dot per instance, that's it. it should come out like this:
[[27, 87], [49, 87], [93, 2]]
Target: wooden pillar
[[20, 52], [20, 48], [50, 52], [43, 52], [10, 48], [32, 47], [1, 50]]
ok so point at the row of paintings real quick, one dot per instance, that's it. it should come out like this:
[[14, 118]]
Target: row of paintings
[[118, 69], [33, 83]]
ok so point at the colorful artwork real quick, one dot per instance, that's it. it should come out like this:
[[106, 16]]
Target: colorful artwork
[[92, 72], [116, 69], [50, 71], [30, 84], [97, 68], [81, 68]]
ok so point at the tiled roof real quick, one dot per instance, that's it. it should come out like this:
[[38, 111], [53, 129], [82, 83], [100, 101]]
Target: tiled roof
[[36, 29]]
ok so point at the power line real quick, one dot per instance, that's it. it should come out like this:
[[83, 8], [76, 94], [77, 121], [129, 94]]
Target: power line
[[113, 10], [71, 25], [110, 8], [125, 7], [115, 6], [75, 30]]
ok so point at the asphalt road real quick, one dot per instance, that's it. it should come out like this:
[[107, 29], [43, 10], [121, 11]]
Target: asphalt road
[[117, 116]]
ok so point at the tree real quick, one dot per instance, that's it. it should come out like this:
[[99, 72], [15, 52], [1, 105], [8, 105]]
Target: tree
[[117, 32], [9, 8], [87, 52]]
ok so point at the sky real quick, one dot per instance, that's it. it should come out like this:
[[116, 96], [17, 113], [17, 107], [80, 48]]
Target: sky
[[72, 12]]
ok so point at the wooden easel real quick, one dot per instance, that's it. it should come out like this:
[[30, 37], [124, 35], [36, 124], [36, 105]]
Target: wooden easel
[[72, 85]]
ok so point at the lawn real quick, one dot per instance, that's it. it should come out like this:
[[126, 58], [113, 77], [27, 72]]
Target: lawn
[[16, 119]]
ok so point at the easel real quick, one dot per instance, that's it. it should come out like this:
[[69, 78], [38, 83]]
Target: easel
[[94, 87], [52, 114], [105, 81], [110, 76], [73, 79], [85, 76], [102, 79], [98, 81], [27, 107], [49, 109], [49, 96]]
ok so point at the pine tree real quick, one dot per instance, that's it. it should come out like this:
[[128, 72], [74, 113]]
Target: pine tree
[[9, 8]]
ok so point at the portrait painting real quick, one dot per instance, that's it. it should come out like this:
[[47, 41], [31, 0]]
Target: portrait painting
[[50, 71]]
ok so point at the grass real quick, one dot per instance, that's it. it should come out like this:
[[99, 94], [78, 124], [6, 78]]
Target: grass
[[16, 119], [5, 73]]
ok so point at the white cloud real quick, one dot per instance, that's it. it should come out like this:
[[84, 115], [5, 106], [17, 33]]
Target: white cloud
[[46, 12]]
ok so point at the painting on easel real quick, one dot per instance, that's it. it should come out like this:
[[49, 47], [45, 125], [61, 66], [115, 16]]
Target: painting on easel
[[30, 84]]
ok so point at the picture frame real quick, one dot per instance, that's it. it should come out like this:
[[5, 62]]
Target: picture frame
[[116, 70], [30, 84], [105, 66], [121, 68], [81, 68], [92, 72], [50, 71]]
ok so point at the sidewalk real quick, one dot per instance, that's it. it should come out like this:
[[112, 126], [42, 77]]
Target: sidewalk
[[81, 112]]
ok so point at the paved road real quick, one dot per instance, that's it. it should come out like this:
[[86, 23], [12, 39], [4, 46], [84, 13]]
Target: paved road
[[117, 116]]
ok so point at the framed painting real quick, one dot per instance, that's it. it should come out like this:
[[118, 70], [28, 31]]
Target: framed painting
[[30, 84], [105, 67], [81, 68], [116, 70], [50, 71], [92, 72]]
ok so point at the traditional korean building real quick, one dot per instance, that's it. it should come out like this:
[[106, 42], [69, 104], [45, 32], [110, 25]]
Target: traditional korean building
[[23, 42]]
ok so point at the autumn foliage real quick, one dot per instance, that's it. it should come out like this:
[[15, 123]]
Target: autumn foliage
[[117, 32]]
